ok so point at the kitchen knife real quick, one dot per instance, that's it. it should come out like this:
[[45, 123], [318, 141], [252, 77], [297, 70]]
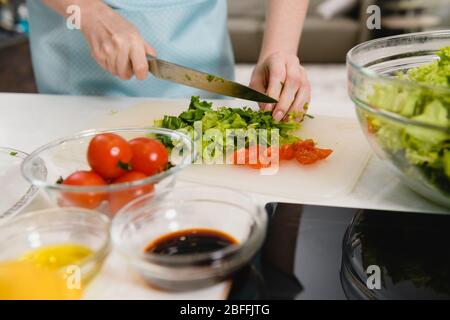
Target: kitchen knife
[[204, 81]]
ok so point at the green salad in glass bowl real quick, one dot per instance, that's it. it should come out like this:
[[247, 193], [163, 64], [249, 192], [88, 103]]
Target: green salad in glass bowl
[[401, 88]]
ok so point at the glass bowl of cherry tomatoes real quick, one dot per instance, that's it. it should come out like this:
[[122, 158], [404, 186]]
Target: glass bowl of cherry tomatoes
[[104, 170]]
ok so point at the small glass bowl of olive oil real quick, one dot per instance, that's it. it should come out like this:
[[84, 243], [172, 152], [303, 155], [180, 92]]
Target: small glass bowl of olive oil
[[69, 241]]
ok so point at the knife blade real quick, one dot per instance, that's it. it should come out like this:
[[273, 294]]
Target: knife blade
[[201, 80]]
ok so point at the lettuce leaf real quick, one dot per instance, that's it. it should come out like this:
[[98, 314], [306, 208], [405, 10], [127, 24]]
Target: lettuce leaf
[[436, 73], [435, 114]]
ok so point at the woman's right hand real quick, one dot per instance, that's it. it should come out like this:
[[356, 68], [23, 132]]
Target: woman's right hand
[[115, 43]]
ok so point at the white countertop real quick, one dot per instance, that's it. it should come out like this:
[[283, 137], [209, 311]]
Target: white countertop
[[29, 121]]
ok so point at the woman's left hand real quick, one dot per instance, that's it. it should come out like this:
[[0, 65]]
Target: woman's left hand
[[281, 76]]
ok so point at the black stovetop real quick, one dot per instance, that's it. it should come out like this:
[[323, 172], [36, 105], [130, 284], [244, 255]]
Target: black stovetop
[[302, 257]]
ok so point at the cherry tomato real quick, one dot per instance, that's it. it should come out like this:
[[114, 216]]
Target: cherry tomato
[[119, 199], [149, 156], [304, 156], [287, 152], [322, 153], [109, 155], [89, 200]]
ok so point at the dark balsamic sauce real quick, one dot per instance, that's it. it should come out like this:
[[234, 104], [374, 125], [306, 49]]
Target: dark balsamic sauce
[[190, 241]]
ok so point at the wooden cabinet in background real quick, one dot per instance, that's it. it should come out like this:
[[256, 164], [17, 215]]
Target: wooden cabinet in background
[[16, 71]]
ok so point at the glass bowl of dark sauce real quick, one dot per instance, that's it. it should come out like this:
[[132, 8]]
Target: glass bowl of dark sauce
[[189, 237]]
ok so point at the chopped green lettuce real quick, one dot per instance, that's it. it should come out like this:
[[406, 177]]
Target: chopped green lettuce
[[435, 114], [224, 118], [446, 162], [436, 73], [426, 148]]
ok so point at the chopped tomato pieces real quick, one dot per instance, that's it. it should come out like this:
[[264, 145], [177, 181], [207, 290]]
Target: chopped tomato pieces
[[240, 157], [323, 153], [304, 144], [304, 156], [258, 157], [287, 152], [255, 157]]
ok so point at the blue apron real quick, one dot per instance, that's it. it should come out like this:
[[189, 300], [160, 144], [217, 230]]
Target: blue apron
[[186, 32]]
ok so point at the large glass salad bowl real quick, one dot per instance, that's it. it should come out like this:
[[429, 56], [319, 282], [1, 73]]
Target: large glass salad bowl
[[401, 88]]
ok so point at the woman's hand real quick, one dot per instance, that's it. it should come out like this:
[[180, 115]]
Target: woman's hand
[[115, 43], [282, 77]]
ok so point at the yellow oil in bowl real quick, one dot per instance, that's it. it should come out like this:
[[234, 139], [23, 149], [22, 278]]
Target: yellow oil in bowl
[[55, 257], [24, 280], [42, 273]]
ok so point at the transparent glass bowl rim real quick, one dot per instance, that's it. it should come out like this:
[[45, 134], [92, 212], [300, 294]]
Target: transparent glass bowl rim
[[367, 72], [97, 254], [120, 221], [112, 187], [27, 196]]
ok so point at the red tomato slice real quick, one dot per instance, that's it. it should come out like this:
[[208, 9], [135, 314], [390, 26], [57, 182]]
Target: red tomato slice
[[259, 165], [256, 157], [109, 155], [262, 157], [83, 200], [309, 144], [304, 144], [323, 153], [287, 152], [149, 156], [306, 156], [118, 199]]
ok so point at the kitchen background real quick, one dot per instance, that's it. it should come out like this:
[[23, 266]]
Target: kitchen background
[[332, 27]]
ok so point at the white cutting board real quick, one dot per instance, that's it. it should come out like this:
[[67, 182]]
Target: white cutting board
[[332, 177]]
